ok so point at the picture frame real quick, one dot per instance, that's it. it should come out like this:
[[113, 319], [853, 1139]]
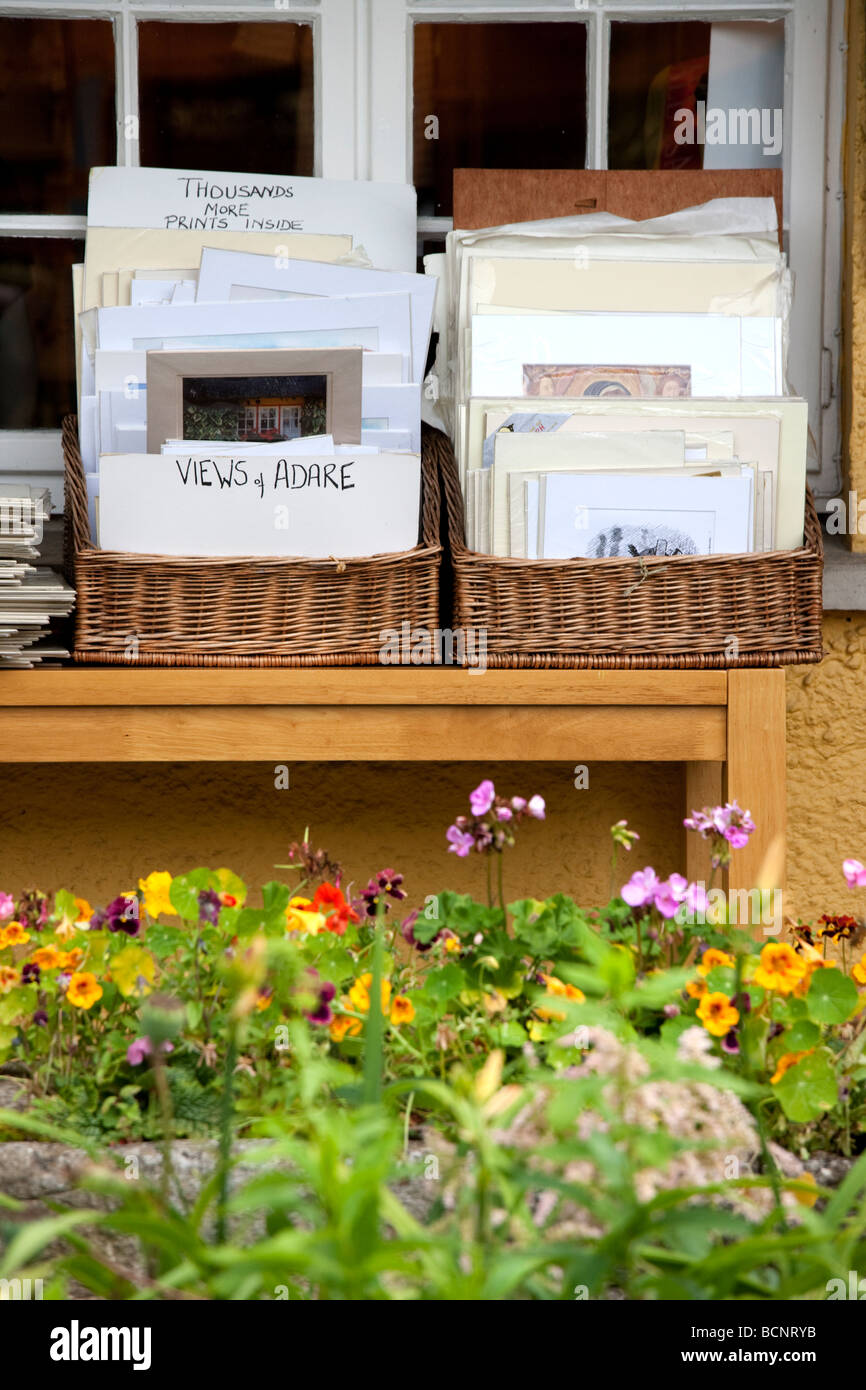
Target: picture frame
[[273, 393]]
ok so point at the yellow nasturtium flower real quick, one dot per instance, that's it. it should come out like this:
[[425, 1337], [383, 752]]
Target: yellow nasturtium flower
[[359, 994], [299, 917], [718, 1014], [13, 934], [712, 958], [133, 970], [155, 889], [780, 969], [83, 990]]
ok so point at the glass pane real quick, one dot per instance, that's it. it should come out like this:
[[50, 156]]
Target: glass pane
[[496, 96], [57, 115], [237, 97], [695, 95], [37, 349]]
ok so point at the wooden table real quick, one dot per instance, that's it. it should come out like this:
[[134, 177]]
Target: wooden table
[[727, 727]]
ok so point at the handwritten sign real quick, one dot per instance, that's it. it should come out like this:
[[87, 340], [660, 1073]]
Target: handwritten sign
[[306, 505], [379, 216]]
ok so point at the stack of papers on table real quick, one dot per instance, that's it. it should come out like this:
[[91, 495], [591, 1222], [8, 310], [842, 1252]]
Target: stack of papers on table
[[615, 387], [252, 315], [31, 597]]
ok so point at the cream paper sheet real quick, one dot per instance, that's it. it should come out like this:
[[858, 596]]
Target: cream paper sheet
[[772, 432]]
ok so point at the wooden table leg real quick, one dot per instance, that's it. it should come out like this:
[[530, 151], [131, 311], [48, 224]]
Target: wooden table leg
[[756, 779]]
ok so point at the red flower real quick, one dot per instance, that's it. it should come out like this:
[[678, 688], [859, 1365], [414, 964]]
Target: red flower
[[340, 914], [327, 896]]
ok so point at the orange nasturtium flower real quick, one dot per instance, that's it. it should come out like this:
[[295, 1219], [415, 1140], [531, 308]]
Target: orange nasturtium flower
[[8, 978], [83, 990], [859, 971], [563, 990], [712, 958], [70, 960], [402, 1009], [718, 1014], [13, 934], [342, 1024], [790, 1059], [48, 958], [696, 989], [780, 969], [85, 912]]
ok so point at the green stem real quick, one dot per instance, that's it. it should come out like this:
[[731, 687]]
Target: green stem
[[225, 1145], [501, 889], [164, 1098]]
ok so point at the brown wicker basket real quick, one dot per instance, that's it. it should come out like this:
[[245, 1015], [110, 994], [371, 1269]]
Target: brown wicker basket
[[687, 611], [156, 610]]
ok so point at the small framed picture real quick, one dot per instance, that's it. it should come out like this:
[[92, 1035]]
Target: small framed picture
[[254, 396]]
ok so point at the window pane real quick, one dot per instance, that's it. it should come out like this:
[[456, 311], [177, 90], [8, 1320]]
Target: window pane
[[695, 95], [237, 97], [37, 349], [57, 114], [496, 96]]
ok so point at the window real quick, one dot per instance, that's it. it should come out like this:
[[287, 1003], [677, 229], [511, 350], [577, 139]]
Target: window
[[290, 426], [246, 421], [344, 88]]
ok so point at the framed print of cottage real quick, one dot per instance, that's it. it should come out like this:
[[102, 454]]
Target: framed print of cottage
[[253, 396]]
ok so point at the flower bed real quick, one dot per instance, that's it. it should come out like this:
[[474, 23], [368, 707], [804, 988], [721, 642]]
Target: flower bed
[[602, 1099]]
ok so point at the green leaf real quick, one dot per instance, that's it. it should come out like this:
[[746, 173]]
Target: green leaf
[[808, 1088], [801, 1036], [832, 997], [184, 897], [443, 983], [617, 971], [275, 896], [510, 1034], [37, 1234]]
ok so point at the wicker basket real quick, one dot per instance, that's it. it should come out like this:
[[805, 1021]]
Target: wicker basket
[[686, 611], [157, 610]]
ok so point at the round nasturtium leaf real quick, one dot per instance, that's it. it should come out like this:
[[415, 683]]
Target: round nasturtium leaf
[[832, 997], [808, 1088]]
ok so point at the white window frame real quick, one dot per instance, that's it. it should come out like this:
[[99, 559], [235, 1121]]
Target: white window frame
[[290, 418], [363, 130], [814, 114]]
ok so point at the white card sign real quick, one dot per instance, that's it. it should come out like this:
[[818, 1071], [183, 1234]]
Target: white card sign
[[305, 505], [379, 216]]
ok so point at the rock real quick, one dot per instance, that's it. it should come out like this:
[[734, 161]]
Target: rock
[[14, 1094], [828, 1169], [36, 1173]]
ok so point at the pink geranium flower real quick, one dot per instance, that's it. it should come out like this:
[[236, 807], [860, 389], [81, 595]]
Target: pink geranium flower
[[482, 798], [7, 906], [460, 842], [855, 873], [641, 887]]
